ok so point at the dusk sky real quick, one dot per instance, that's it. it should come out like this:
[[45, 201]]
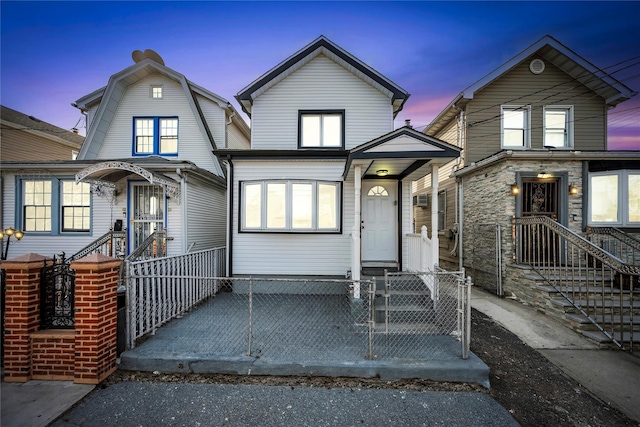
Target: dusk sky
[[53, 53]]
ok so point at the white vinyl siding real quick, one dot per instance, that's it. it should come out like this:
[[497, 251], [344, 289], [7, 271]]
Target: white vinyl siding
[[206, 214], [137, 103], [215, 118], [292, 253], [321, 84], [236, 139]]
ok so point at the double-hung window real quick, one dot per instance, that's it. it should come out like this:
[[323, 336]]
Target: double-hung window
[[515, 126], [321, 129], [558, 127], [290, 206], [54, 205], [155, 135], [614, 198]]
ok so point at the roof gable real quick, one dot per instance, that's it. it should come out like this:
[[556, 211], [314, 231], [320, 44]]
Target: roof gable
[[323, 46]]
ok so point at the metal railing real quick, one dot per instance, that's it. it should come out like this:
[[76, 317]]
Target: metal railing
[[154, 246], [160, 289], [599, 285], [57, 294], [616, 242], [304, 319], [112, 243]]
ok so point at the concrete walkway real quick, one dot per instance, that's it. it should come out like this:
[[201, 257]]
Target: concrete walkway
[[613, 376]]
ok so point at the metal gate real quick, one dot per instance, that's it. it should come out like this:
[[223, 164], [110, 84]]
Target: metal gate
[[486, 257], [57, 288]]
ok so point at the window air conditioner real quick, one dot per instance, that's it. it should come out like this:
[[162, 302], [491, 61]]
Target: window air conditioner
[[421, 200]]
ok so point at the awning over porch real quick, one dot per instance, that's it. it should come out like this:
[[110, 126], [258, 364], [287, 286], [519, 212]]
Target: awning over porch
[[110, 172], [404, 154]]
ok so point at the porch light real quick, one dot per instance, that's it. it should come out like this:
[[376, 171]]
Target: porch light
[[515, 190], [544, 175], [8, 232], [573, 190], [382, 172]]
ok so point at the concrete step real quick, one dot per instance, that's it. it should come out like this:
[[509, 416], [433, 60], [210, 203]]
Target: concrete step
[[623, 338], [607, 319], [598, 303]]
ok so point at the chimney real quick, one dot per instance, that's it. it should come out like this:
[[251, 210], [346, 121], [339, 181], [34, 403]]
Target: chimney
[[75, 130], [407, 123]]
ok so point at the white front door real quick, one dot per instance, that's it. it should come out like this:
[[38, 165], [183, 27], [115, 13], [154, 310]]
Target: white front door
[[148, 212], [379, 221]]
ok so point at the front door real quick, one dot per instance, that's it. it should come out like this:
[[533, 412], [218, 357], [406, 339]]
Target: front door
[[540, 198], [379, 221], [148, 212]]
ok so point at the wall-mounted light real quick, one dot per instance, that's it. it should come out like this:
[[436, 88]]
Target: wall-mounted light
[[573, 190], [544, 175], [515, 190], [382, 172]]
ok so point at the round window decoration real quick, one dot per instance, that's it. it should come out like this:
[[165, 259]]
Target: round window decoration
[[378, 190], [536, 66]]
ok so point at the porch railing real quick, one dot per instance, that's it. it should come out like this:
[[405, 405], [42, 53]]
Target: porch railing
[[616, 242], [112, 243], [420, 255], [154, 246], [160, 289], [600, 286]]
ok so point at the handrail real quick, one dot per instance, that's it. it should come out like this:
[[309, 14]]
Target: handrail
[[584, 244], [96, 244], [156, 236], [627, 245]]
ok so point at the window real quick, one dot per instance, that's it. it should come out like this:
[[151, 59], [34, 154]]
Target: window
[[321, 129], [155, 135], [558, 127], [614, 198], [515, 126], [54, 205], [156, 91], [290, 206]]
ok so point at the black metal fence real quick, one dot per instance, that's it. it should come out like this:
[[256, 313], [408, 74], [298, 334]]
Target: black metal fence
[[57, 299]]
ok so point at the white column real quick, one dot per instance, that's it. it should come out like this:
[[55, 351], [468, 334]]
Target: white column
[[355, 234], [435, 244]]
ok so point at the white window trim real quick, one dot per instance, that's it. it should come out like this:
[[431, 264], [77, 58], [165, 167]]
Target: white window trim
[[152, 87], [623, 191], [288, 228], [527, 127], [570, 126]]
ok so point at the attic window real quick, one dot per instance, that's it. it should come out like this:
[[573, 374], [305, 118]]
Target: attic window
[[156, 91]]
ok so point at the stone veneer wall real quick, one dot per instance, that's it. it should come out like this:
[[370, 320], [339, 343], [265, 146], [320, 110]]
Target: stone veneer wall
[[488, 200]]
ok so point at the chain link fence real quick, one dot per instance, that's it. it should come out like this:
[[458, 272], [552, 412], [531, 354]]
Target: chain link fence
[[314, 320]]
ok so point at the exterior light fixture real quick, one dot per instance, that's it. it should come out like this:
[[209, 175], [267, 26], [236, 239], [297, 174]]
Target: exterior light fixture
[[8, 233], [382, 172], [573, 190], [515, 190], [544, 175]]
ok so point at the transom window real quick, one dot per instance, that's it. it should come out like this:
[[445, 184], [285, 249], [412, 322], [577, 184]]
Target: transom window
[[290, 206], [55, 205], [558, 127], [155, 135], [614, 198], [378, 190], [515, 126], [321, 129]]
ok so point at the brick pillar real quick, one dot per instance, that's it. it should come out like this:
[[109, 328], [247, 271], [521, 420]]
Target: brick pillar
[[22, 316], [96, 317]]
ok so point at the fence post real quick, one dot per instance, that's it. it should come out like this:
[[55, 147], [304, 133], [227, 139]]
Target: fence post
[[424, 238], [96, 317], [250, 316], [466, 340], [372, 315], [22, 313]]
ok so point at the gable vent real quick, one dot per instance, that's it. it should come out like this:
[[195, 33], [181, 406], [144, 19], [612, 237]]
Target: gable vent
[[536, 66]]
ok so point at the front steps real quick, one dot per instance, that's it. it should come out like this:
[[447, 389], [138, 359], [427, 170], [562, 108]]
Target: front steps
[[597, 297]]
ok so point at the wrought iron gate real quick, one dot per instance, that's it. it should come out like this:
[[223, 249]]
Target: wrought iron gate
[[57, 294], [486, 257]]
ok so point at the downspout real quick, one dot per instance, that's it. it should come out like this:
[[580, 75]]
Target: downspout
[[226, 125], [460, 186], [229, 216]]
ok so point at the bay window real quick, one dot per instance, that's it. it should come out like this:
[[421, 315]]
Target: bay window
[[290, 206]]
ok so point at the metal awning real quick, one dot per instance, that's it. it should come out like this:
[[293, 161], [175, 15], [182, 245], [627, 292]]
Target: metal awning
[[108, 173]]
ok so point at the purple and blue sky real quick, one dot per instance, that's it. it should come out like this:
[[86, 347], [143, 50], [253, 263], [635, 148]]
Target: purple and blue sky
[[53, 53]]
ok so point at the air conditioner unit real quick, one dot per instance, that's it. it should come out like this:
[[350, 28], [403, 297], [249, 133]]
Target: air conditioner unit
[[421, 200]]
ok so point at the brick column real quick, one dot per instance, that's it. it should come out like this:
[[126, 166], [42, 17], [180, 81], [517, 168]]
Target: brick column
[[96, 317], [22, 316]]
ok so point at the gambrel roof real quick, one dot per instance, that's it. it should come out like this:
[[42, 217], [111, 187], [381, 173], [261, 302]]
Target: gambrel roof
[[326, 47], [110, 96], [594, 78]]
